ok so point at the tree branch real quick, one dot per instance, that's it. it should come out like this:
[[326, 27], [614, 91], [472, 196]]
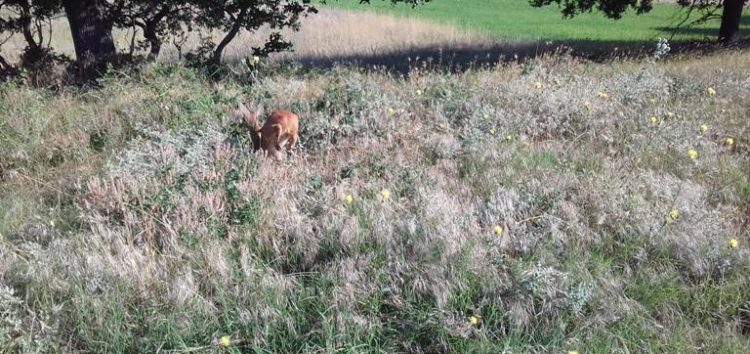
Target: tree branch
[[216, 59]]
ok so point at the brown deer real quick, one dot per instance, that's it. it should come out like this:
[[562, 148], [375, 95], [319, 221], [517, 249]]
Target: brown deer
[[280, 130]]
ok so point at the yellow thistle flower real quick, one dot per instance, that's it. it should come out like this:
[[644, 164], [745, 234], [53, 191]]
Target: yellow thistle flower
[[674, 214], [492, 132], [538, 85], [474, 320], [225, 341], [385, 194], [654, 120], [704, 128], [733, 243], [508, 137], [693, 154], [730, 141], [710, 91], [498, 229], [349, 199], [602, 94], [419, 92]]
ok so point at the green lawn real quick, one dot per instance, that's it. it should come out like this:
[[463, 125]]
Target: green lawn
[[517, 19]]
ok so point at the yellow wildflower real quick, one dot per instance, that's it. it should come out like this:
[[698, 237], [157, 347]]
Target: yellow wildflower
[[674, 214], [419, 92], [474, 320], [349, 199], [256, 60], [587, 105], [670, 115], [710, 91], [225, 341], [704, 128], [508, 137], [730, 141], [390, 110], [693, 154], [557, 82], [385, 194], [538, 85], [654, 120], [492, 132], [602, 94], [498, 229], [486, 116], [733, 243], [653, 101], [572, 352]]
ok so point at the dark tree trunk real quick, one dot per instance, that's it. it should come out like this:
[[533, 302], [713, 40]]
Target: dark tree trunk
[[28, 35], [216, 59], [149, 32], [92, 33], [5, 67], [729, 32]]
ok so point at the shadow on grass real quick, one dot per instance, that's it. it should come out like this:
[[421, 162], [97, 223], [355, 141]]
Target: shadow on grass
[[709, 33], [461, 58]]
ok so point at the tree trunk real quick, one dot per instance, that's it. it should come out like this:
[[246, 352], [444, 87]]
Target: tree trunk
[[5, 67], [729, 32], [92, 34], [216, 59], [28, 35], [149, 32]]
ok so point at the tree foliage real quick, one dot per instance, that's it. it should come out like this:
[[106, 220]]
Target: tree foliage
[[29, 18], [611, 8], [156, 21]]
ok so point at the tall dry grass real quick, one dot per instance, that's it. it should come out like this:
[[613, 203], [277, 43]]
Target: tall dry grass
[[538, 207]]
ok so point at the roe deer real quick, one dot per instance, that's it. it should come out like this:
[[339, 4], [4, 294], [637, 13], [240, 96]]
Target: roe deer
[[279, 130]]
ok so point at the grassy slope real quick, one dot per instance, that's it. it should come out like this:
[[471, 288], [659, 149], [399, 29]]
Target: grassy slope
[[124, 229], [516, 19]]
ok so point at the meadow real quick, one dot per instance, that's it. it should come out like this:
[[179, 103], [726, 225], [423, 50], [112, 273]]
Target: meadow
[[517, 20], [548, 205]]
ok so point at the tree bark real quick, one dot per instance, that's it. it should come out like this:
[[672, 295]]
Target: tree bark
[[149, 32], [5, 66], [28, 35], [729, 32], [216, 59], [92, 33]]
